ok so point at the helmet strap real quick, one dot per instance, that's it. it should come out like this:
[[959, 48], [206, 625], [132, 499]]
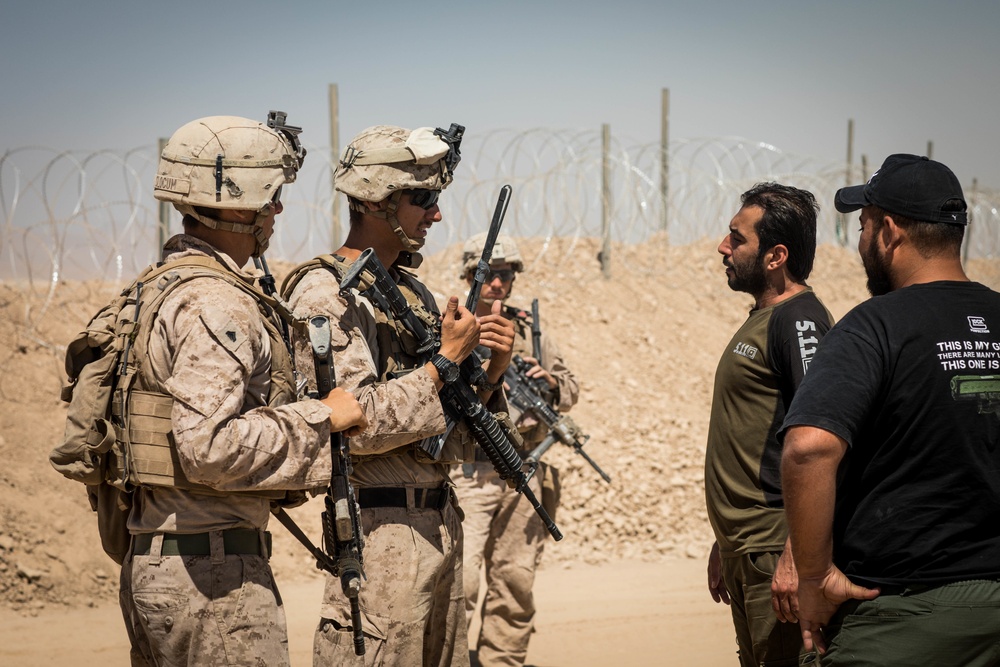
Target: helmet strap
[[389, 215], [256, 228], [258, 232]]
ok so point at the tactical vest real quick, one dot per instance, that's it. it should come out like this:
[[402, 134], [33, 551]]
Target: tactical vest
[[522, 330], [118, 429], [397, 346]]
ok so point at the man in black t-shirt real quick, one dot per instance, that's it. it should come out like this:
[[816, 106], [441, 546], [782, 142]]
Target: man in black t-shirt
[[891, 463], [767, 253]]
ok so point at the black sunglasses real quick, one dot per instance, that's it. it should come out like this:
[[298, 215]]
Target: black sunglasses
[[425, 199], [505, 275]]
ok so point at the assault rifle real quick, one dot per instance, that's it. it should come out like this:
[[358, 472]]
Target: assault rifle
[[524, 393], [536, 333], [472, 366], [342, 538], [459, 399]]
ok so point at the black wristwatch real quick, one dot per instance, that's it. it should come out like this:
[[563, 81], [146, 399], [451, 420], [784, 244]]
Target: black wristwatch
[[487, 386], [446, 368]]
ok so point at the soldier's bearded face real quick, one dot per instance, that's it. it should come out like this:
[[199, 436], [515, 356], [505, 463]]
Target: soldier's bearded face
[[747, 274], [741, 253]]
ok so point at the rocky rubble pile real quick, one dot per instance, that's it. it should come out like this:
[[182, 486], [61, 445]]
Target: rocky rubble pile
[[644, 344]]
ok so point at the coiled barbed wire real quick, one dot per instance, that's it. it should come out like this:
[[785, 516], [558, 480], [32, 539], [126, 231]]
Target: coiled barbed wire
[[91, 216]]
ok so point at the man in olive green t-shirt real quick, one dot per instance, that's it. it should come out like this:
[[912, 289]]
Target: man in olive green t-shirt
[[768, 253]]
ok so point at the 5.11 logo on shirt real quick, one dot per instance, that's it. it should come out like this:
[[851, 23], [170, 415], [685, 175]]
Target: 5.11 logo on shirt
[[807, 344]]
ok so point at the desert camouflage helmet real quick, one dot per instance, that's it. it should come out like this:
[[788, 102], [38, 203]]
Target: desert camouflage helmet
[[384, 160], [504, 251], [229, 162]]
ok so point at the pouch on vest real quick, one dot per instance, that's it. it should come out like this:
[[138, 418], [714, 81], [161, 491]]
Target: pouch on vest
[[89, 435], [112, 506], [90, 364]]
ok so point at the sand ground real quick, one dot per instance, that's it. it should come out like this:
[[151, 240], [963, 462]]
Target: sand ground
[[626, 586], [625, 613]]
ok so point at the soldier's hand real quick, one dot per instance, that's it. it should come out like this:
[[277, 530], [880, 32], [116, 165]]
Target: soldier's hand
[[346, 414], [716, 585], [459, 331], [784, 588], [536, 371], [497, 334]]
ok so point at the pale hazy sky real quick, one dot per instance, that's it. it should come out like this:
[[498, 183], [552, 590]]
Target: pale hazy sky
[[120, 73]]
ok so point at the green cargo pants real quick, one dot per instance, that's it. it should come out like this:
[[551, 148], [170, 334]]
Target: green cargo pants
[[762, 639], [951, 624]]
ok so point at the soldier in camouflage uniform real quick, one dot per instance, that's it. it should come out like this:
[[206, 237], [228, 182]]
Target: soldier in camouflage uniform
[[502, 531], [412, 601], [196, 587]]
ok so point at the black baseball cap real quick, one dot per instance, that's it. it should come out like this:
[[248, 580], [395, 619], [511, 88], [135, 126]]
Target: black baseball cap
[[908, 185]]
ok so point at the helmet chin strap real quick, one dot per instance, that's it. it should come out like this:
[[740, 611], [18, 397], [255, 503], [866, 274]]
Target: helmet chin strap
[[256, 228], [410, 245], [389, 215], [262, 241]]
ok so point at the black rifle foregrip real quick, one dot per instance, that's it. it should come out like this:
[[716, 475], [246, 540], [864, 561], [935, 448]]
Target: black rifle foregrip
[[359, 635], [505, 459]]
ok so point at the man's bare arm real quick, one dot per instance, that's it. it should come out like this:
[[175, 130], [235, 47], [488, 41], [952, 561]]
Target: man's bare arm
[[809, 465]]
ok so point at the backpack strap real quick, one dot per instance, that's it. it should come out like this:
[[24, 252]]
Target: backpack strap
[[332, 263]]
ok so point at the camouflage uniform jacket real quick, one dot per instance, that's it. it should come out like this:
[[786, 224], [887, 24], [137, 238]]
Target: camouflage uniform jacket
[[402, 408], [210, 351]]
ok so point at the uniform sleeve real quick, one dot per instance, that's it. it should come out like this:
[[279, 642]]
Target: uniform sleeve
[[567, 388], [794, 335], [400, 411], [842, 384], [219, 356]]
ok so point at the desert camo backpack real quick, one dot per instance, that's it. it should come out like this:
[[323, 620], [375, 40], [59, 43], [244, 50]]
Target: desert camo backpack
[[118, 437]]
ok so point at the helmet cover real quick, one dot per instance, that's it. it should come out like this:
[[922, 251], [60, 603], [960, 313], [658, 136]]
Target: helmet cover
[[504, 251]]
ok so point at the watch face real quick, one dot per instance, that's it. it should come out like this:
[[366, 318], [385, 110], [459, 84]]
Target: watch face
[[446, 368]]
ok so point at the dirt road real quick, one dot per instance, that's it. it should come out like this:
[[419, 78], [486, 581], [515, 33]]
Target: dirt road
[[623, 614]]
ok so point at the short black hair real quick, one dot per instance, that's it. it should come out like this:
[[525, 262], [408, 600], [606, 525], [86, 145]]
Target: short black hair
[[790, 220], [929, 238]]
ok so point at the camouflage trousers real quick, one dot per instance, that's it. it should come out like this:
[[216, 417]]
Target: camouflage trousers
[[412, 606], [202, 610], [504, 535]]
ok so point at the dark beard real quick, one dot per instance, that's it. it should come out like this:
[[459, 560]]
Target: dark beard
[[749, 277], [879, 282]]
